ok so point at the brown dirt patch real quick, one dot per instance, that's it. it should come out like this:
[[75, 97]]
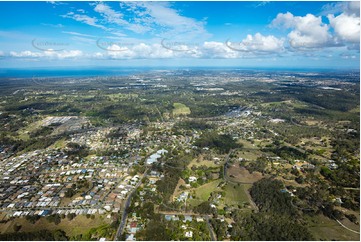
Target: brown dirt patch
[[241, 174]]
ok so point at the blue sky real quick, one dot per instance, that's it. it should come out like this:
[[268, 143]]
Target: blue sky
[[243, 34]]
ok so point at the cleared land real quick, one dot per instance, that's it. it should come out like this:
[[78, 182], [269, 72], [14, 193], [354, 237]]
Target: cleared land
[[203, 192], [59, 144], [240, 174], [355, 110], [202, 162], [249, 151], [23, 133], [79, 225], [324, 228], [235, 194], [180, 109]]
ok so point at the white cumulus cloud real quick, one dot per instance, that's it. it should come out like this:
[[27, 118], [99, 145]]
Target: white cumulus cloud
[[346, 27], [306, 32], [258, 43], [65, 54], [213, 49]]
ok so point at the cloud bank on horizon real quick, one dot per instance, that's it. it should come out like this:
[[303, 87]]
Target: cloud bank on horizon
[[293, 34]]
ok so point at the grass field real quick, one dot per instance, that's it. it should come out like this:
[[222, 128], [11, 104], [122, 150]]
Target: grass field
[[290, 103], [311, 122], [23, 133], [249, 151], [324, 228], [79, 225], [180, 109], [247, 144], [355, 110], [235, 194], [315, 145], [205, 190], [59, 144], [202, 162]]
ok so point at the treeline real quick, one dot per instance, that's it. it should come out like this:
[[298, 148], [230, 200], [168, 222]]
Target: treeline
[[268, 227], [333, 100], [46, 105], [328, 116], [222, 143], [31, 144], [328, 99], [284, 151]]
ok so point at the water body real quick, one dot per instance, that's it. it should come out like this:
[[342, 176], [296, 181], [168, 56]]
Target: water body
[[125, 71]]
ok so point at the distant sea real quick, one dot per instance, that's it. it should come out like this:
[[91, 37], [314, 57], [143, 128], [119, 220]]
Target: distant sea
[[125, 71]]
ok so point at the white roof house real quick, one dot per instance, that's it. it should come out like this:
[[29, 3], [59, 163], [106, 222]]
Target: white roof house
[[192, 179], [189, 234]]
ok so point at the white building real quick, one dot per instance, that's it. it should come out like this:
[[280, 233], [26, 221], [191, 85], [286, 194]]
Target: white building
[[192, 179], [189, 234]]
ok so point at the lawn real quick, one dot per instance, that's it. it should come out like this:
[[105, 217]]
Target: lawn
[[180, 109]]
